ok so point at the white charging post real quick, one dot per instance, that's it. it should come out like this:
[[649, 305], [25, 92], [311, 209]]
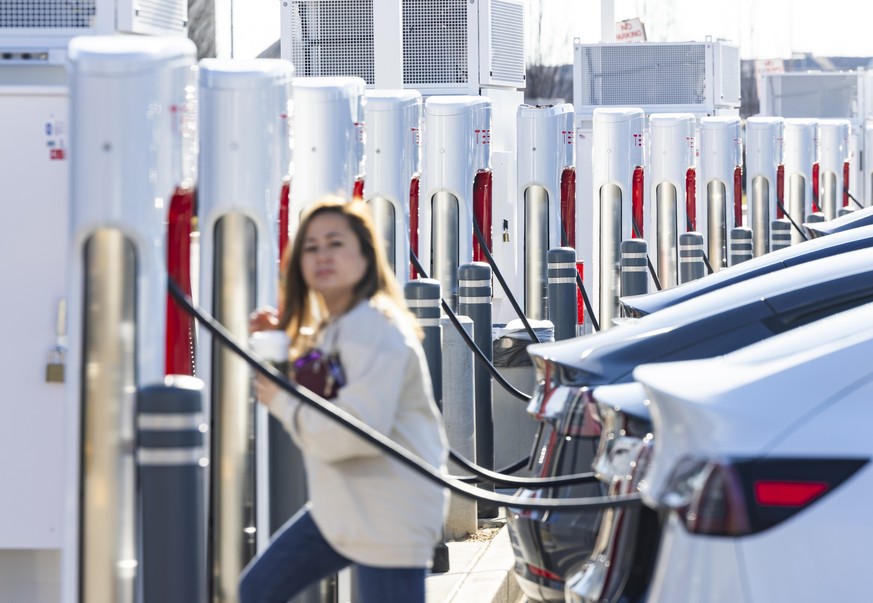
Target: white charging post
[[672, 190], [801, 154], [545, 154], [329, 132], [618, 166], [126, 96], [456, 182], [393, 159], [833, 165], [720, 207]]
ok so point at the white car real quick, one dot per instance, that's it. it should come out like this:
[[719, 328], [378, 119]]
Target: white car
[[761, 462]]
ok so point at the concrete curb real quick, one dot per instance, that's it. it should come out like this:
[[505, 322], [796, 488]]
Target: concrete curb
[[479, 572]]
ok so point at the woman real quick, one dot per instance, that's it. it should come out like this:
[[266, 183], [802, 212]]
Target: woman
[[365, 508]]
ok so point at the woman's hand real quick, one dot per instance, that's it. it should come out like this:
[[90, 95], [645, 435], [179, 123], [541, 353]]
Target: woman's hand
[[265, 390], [263, 319]]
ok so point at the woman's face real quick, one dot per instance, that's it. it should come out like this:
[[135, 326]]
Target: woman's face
[[332, 262]]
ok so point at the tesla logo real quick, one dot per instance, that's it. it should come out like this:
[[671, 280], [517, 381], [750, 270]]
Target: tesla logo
[[690, 140], [638, 140], [483, 136], [57, 154], [416, 136], [568, 136]]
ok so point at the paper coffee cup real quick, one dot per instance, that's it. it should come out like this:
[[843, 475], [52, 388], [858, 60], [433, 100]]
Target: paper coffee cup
[[272, 346]]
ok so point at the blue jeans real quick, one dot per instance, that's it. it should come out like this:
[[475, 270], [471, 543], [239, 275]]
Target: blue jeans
[[299, 556]]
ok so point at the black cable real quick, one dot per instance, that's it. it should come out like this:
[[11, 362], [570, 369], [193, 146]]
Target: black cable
[[500, 479], [481, 238], [581, 286], [480, 355], [790, 219], [852, 197], [384, 443]]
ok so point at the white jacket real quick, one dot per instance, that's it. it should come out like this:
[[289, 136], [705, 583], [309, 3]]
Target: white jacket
[[369, 507]]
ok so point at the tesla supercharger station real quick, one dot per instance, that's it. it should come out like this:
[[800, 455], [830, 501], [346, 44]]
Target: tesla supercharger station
[[833, 137], [764, 172], [328, 125], [456, 184], [721, 192], [244, 156], [801, 154], [618, 193], [672, 199], [393, 160], [125, 95], [546, 195]]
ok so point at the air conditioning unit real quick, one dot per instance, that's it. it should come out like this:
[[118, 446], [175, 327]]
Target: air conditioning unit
[[447, 46], [831, 94], [702, 78], [37, 31], [827, 94]]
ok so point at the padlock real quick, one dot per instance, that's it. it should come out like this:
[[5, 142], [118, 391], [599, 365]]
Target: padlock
[[55, 367]]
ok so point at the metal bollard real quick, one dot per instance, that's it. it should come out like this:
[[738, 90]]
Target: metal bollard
[[474, 300], [562, 291], [816, 217], [634, 275], [691, 265], [459, 418], [423, 298], [780, 234], [741, 244], [172, 468]]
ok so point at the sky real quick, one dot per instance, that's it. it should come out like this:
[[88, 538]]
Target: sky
[[763, 29]]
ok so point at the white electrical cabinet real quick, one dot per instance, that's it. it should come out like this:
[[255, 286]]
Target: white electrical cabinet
[[34, 159], [702, 78], [815, 94], [38, 32], [444, 46]]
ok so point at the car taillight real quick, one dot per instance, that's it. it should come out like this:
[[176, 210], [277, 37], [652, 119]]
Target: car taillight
[[543, 573], [582, 420], [741, 497]]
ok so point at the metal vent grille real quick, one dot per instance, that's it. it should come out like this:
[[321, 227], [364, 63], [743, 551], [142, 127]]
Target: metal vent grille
[[825, 95], [633, 75], [730, 74], [435, 42], [163, 14], [333, 38], [47, 14], [507, 41]]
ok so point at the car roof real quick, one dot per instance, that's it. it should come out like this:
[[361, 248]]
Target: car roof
[[775, 292], [857, 238], [854, 219]]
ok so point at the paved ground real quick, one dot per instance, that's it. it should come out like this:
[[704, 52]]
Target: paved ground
[[480, 570]]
